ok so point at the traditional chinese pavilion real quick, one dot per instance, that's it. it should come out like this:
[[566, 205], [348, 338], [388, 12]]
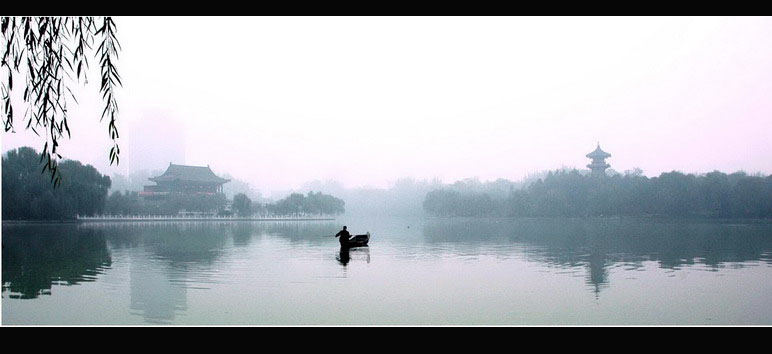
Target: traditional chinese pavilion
[[598, 164], [185, 180]]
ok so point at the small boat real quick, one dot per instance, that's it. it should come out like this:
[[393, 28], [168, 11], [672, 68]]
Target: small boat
[[359, 240]]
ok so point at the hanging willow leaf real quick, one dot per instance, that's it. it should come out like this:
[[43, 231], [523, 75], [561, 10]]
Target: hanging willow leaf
[[45, 43]]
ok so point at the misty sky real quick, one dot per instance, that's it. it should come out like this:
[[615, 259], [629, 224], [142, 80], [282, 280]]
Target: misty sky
[[281, 101]]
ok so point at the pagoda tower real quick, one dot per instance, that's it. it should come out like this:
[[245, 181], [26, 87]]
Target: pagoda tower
[[598, 164]]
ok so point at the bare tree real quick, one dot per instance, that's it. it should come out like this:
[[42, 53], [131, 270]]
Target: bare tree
[[51, 54]]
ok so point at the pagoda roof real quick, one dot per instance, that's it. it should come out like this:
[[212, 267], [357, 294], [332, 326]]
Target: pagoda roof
[[200, 174], [598, 153]]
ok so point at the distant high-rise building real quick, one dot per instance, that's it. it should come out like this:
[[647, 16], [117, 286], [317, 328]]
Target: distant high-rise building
[[154, 138], [598, 164]]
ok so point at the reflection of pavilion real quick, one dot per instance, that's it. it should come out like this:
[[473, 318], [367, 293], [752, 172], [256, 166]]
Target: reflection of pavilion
[[178, 250], [597, 244], [597, 272], [154, 295]]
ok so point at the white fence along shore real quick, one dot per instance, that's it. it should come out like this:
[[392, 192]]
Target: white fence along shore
[[291, 217]]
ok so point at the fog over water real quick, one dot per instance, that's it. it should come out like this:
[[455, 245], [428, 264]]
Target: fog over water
[[279, 102], [438, 271]]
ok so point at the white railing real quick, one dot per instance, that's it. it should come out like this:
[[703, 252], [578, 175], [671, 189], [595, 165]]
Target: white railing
[[256, 217]]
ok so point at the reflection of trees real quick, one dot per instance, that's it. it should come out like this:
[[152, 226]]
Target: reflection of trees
[[185, 251], [242, 233], [37, 256], [208, 238], [599, 243], [313, 232], [166, 258], [180, 250], [183, 245]]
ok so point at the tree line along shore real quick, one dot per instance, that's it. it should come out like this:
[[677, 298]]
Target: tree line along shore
[[29, 194], [571, 193]]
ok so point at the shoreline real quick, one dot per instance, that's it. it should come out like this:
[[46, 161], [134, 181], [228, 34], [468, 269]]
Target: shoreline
[[169, 219], [89, 220]]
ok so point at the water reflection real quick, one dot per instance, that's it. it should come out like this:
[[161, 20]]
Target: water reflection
[[183, 253], [598, 244], [242, 234], [345, 253], [344, 256], [261, 267], [154, 296], [317, 233], [186, 255], [35, 257]]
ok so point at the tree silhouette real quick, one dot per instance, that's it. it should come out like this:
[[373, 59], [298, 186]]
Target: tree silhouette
[[27, 194], [573, 194], [313, 203], [242, 205], [50, 52]]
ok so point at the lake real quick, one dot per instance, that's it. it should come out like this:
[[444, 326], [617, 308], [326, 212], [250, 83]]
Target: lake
[[416, 271]]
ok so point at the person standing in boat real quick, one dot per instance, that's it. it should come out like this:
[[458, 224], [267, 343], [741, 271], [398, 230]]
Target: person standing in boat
[[344, 236]]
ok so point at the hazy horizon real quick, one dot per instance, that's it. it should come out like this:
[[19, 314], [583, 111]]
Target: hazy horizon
[[281, 102]]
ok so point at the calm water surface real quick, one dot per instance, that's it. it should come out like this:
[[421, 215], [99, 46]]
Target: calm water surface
[[416, 271]]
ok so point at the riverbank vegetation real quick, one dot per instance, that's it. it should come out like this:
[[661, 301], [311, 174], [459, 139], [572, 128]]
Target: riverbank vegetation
[[29, 195], [312, 203], [570, 193], [131, 203]]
